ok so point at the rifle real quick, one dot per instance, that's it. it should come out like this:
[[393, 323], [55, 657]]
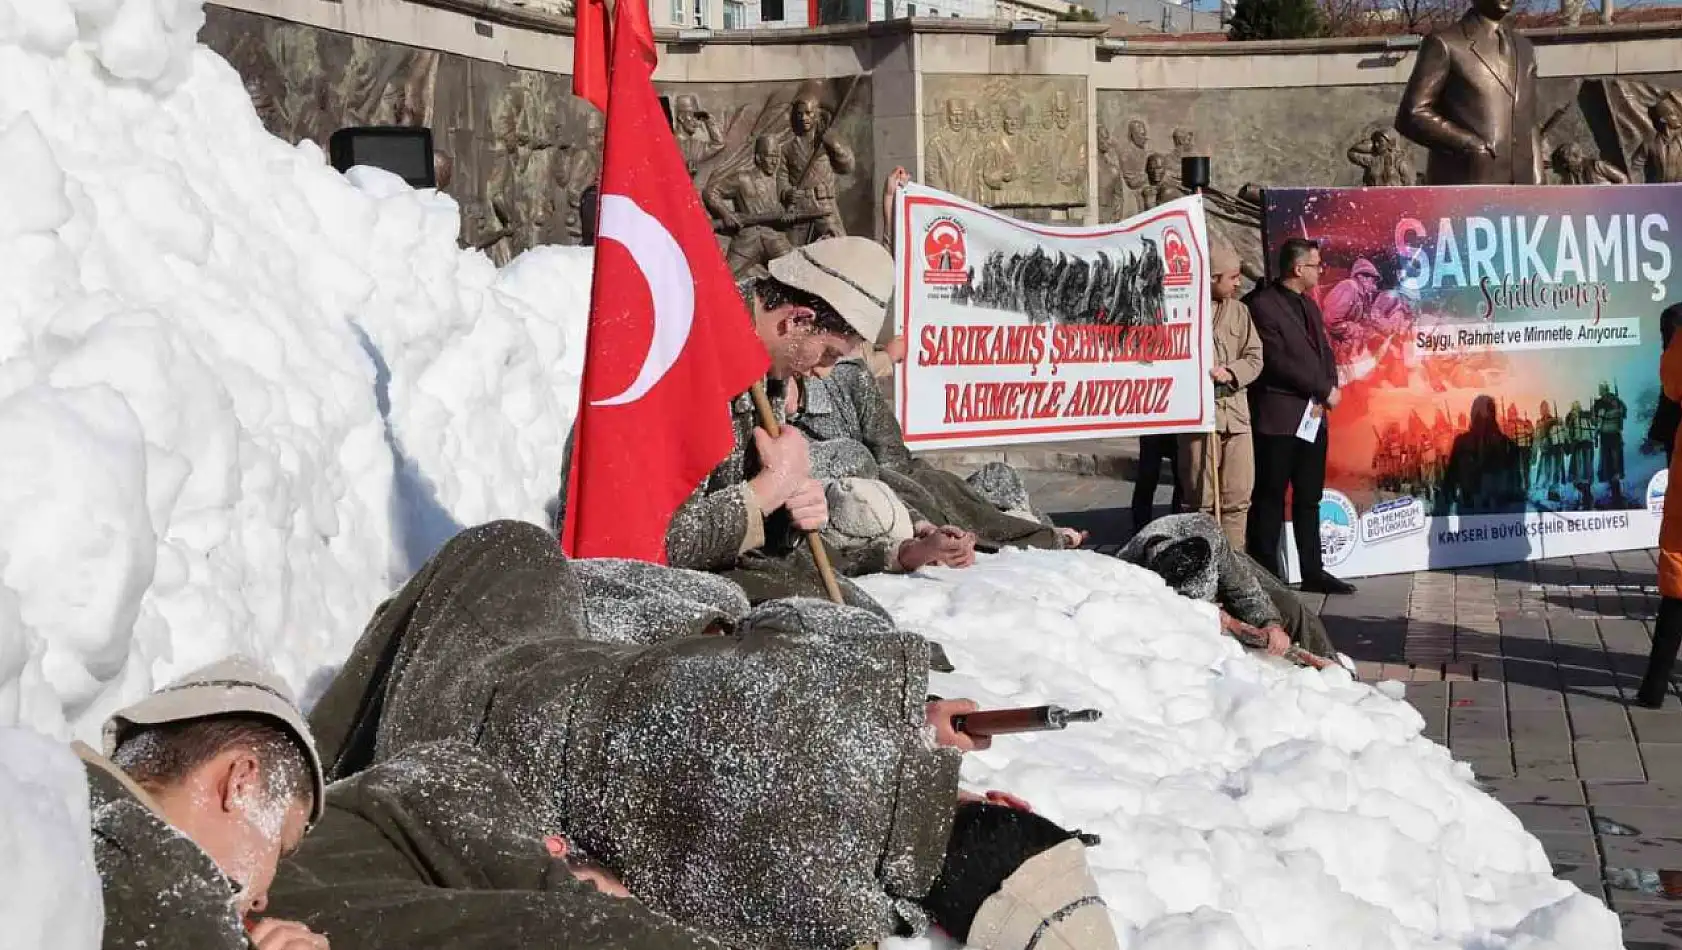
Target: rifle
[[1255, 639], [774, 219], [1003, 722]]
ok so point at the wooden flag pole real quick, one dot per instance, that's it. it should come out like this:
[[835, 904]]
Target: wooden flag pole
[[820, 555]]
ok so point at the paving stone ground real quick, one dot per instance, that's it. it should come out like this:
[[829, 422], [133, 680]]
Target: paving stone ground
[[1526, 671]]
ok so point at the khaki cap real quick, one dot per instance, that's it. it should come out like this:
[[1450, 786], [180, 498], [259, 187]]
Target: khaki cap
[[232, 686], [852, 274], [1051, 902]]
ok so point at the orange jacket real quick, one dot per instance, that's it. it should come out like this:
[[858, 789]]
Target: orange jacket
[[1670, 529]]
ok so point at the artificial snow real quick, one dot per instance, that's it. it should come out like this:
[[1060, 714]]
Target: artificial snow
[[242, 397], [49, 890], [1243, 803]]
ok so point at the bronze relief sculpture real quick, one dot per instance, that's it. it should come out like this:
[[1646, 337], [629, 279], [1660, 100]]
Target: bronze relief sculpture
[[1471, 102]]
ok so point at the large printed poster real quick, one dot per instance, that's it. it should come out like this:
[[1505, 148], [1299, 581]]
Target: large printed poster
[[1498, 350], [1025, 333]]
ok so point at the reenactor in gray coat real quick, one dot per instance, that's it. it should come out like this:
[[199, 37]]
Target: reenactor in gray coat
[[765, 778]]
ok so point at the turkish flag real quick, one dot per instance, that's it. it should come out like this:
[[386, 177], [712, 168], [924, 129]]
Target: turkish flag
[[670, 342], [589, 52]]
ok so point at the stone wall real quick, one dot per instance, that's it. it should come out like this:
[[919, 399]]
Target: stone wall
[[1052, 125]]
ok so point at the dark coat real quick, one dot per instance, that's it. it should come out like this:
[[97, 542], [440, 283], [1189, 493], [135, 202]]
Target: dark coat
[[435, 848], [771, 786], [1297, 360], [1463, 94], [161, 890]]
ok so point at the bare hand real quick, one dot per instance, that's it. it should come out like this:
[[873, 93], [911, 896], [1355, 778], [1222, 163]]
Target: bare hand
[[947, 546], [1278, 641], [896, 349], [1072, 537], [729, 220], [271, 933], [808, 507], [785, 466], [1334, 397], [940, 713], [1221, 374]]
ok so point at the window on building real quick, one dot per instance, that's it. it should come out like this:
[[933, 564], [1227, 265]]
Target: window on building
[[735, 15], [770, 11], [679, 9], [911, 9], [700, 13]]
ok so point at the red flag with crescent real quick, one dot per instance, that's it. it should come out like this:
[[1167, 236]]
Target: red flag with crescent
[[670, 341]]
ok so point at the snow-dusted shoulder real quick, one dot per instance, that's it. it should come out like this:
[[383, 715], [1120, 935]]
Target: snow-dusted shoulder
[[1244, 804]]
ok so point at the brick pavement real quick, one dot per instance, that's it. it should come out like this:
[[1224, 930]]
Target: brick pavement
[[1523, 671]]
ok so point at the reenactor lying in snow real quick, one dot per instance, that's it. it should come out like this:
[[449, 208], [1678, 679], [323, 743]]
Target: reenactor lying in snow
[[210, 781], [762, 777]]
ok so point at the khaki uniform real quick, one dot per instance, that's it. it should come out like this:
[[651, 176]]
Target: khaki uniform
[[1237, 347]]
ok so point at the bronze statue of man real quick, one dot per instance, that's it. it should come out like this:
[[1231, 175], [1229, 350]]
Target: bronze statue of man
[[1471, 101]]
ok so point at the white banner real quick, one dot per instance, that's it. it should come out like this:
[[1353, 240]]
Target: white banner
[[1019, 332]]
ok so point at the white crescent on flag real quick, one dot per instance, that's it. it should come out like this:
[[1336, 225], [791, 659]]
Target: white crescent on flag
[[670, 283]]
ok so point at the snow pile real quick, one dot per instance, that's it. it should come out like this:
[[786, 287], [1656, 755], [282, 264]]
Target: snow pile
[[1243, 805], [240, 395], [49, 890]]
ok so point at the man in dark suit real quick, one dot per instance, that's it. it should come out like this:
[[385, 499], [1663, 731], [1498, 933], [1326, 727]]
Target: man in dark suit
[[1298, 377], [1472, 102]]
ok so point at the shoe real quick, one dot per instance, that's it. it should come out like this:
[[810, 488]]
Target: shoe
[[1327, 584], [1650, 702]]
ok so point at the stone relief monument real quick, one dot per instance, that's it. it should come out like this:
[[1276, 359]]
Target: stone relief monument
[[517, 150], [1471, 101], [779, 164], [1017, 144], [778, 169]]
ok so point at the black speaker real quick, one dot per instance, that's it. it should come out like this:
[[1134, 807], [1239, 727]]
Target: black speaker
[[1194, 172], [405, 151]]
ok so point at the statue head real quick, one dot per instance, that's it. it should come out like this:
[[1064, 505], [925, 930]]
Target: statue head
[[1156, 168], [1383, 140], [1137, 132], [1605, 388], [803, 114], [766, 156], [1060, 109], [1104, 142], [1666, 115], [1184, 141], [957, 114], [1577, 406], [1011, 117], [1494, 10], [686, 114]]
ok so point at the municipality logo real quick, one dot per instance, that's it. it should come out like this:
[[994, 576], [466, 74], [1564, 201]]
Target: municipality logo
[[1337, 527], [1656, 487]]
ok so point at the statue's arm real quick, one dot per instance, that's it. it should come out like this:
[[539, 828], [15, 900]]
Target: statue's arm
[[1418, 117]]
